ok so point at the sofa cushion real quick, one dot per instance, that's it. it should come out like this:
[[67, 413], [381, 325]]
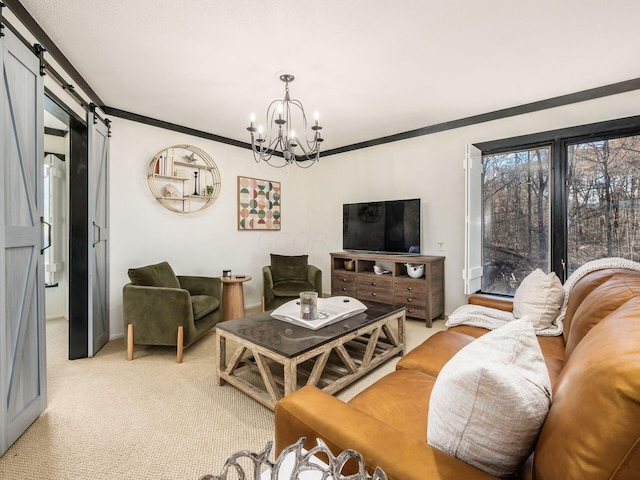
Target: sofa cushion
[[291, 288], [539, 297], [400, 399], [203, 305], [158, 275], [286, 267], [491, 399], [431, 355]]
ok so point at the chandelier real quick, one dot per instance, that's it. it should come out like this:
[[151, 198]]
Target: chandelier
[[280, 137]]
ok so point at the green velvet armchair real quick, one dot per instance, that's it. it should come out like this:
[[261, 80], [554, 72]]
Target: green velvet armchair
[[161, 308], [286, 277]]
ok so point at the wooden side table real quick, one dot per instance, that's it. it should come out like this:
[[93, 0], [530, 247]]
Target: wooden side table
[[233, 296]]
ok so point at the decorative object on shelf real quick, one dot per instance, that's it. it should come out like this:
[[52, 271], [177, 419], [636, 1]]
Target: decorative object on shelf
[[280, 139], [195, 184], [414, 270], [349, 265], [169, 178], [294, 462], [259, 204], [378, 270], [170, 191]]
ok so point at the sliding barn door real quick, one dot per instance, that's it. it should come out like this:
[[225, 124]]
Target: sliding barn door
[[23, 386], [98, 234]]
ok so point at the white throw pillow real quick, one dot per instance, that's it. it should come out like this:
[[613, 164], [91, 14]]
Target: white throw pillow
[[539, 297], [490, 400]]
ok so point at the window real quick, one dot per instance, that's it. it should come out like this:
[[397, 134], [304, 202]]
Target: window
[[603, 182], [557, 200], [515, 217]]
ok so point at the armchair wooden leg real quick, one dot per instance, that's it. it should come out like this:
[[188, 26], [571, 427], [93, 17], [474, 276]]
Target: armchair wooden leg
[[130, 341], [262, 304], [180, 343]]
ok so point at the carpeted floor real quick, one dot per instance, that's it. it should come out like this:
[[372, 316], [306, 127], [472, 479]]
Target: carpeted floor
[[151, 418]]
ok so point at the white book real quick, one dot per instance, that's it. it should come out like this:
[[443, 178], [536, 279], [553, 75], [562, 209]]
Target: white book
[[330, 310]]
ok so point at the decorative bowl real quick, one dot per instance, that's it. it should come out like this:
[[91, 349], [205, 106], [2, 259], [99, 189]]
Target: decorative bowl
[[415, 270]]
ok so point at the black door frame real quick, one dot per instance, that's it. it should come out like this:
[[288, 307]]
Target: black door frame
[[78, 226]]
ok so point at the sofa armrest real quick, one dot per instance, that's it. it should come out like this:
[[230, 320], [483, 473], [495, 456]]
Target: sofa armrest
[[492, 301], [312, 413], [155, 313], [314, 277], [211, 286], [267, 285]]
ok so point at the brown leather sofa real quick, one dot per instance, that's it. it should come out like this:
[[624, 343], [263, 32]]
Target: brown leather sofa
[[592, 430]]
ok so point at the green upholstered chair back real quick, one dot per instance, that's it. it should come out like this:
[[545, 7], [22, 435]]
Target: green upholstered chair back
[[284, 267], [158, 275]]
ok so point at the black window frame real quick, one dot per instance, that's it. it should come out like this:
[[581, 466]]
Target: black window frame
[[558, 141]]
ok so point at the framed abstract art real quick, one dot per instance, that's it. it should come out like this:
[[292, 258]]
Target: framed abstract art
[[259, 204]]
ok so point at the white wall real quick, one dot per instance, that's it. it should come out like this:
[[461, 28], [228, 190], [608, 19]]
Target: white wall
[[428, 167]]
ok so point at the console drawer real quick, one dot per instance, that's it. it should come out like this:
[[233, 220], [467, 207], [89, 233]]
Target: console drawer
[[416, 312], [410, 298], [382, 295], [375, 281], [408, 285], [343, 283], [342, 278], [347, 289]]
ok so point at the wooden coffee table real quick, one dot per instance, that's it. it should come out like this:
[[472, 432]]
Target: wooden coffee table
[[272, 358]]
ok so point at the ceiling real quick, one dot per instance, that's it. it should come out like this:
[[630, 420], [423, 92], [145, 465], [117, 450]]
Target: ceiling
[[372, 68]]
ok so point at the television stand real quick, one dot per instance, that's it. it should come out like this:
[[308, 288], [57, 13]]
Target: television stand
[[422, 297]]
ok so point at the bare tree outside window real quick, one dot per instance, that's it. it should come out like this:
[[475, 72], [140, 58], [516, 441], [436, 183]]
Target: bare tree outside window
[[515, 217], [603, 182]]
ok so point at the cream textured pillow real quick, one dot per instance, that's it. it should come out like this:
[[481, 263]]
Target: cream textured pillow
[[490, 400], [539, 297]]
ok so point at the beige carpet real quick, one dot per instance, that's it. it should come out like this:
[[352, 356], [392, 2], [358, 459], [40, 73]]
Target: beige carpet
[[108, 418]]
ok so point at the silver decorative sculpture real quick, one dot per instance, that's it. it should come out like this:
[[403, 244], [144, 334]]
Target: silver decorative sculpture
[[303, 461]]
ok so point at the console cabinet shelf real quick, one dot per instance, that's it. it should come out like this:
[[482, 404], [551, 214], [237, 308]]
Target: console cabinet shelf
[[353, 274]]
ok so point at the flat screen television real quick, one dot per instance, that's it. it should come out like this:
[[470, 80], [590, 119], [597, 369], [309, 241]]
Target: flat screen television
[[387, 227]]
